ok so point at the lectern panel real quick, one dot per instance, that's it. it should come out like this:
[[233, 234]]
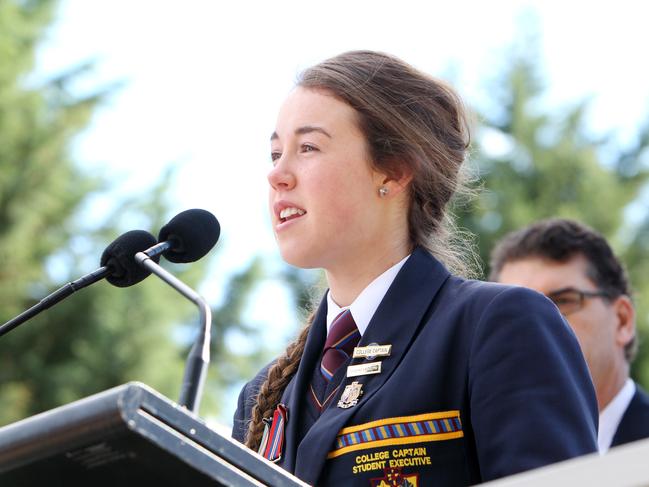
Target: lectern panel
[[129, 435]]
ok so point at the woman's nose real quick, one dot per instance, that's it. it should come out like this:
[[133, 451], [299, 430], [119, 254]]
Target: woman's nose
[[281, 177]]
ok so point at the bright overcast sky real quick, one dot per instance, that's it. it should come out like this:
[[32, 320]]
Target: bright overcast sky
[[204, 79]]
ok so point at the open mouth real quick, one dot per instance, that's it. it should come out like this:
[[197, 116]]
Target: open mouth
[[290, 214]]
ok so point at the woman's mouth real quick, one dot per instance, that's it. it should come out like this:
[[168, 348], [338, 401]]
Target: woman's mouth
[[290, 214]]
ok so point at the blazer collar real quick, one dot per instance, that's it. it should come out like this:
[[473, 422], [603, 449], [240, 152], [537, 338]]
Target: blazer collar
[[395, 322]]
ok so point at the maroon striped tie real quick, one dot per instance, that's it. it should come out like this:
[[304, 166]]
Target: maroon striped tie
[[341, 340]]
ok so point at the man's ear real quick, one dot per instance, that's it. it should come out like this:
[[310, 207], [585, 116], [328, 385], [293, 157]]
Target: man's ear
[[625, 313]]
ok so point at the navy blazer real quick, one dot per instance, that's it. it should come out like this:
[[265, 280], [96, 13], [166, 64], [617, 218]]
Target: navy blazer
[[634, 424], [483, 381]]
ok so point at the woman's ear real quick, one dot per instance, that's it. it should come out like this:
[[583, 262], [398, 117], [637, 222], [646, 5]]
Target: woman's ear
[[395, 182]]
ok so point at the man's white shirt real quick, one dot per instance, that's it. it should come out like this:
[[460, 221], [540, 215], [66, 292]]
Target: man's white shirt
[[610, 417]]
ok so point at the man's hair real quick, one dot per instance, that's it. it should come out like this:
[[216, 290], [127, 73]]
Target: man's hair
[[560, 240]]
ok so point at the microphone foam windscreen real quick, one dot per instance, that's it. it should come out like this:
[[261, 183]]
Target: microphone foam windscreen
[[119, 257], [192, 233]]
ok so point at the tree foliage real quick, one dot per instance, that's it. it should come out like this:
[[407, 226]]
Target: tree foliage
[[532, 162], [102, 336]]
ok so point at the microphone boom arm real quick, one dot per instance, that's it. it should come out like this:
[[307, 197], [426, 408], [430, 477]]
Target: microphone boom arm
[[59, 295], [199, 355]]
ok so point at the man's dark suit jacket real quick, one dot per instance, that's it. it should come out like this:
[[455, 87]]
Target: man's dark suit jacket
[[634, 424], [483, 381]]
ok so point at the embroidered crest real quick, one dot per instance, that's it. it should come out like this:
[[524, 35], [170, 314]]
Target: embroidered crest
[[394, 477], [350, 395]]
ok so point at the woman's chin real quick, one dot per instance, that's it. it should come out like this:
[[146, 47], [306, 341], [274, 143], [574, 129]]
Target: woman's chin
[[299, 257]]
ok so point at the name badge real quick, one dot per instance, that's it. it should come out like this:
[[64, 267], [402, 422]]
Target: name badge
[[372, 351], [364, 369]]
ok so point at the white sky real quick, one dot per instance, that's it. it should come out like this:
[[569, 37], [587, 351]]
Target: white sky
[[204, 80]]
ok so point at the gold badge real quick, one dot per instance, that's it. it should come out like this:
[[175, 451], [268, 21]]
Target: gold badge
[[364, 369], [350, 395], [372, 351]]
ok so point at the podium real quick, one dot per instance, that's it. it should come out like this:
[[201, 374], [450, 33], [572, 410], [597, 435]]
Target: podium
[[129, 435], [622, 466]]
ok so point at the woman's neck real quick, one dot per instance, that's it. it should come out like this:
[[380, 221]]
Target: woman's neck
[[347, 280]]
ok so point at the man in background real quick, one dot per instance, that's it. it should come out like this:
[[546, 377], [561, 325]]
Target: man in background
[[575, 267]]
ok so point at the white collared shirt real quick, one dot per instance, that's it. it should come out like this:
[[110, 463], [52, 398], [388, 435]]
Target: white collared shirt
[[610, 417], [365, 304]]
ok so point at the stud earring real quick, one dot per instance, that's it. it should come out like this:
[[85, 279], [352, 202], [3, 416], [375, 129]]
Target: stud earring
[[383, 191]]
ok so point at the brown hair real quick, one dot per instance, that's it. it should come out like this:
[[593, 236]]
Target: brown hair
[[410, 121], [560, 240]]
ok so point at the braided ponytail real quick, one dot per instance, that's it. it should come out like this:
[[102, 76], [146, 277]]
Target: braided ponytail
[[270, 392]]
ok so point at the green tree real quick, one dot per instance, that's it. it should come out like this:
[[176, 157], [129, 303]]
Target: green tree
[[531, 162], [102, 336]]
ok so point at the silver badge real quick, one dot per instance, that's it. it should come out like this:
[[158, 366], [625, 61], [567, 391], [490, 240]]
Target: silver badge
[[371, 351], [364, 369], [350, 395]]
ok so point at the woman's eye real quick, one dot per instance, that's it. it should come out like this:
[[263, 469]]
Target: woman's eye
[[275, 155], [308, 148]]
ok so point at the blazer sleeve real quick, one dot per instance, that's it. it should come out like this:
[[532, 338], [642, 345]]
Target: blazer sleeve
[[241, 415], [532, 401], [245, 403]]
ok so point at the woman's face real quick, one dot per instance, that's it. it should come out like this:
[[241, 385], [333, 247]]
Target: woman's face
[[324, 201]]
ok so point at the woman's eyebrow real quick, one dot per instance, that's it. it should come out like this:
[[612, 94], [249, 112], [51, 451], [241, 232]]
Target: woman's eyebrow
[[311, 128], [304, 130]]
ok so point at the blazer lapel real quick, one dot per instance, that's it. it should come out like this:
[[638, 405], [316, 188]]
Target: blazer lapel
[[395, 322], [295, 393]]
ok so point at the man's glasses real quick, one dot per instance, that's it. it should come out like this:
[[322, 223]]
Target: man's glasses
[[569, 299]]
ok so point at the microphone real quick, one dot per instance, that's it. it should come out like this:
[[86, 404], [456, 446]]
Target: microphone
[[186, 238], [118, 258], [117, 265]]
